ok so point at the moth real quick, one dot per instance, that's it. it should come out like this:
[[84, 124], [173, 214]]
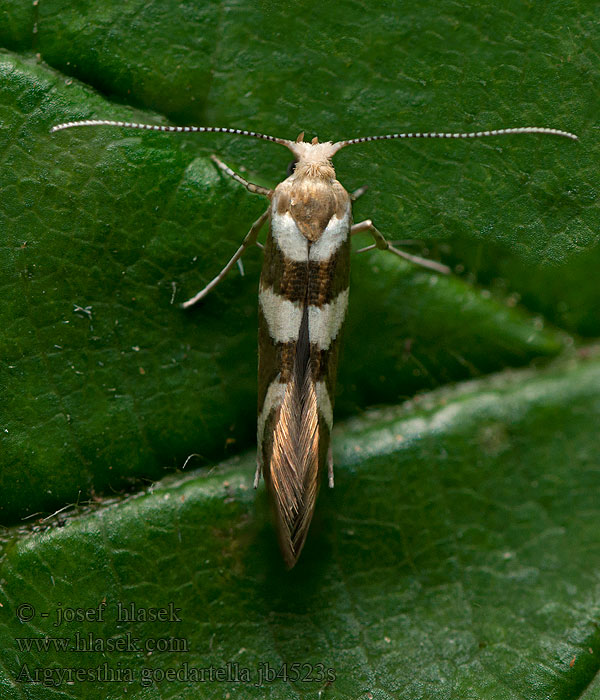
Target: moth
[[303, 298]]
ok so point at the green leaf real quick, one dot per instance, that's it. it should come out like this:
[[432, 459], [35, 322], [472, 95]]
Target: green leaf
[[106, 379], [457, 556]]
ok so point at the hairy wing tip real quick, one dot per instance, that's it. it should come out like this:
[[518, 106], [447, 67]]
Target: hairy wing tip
[[290, 558], [291, 551]]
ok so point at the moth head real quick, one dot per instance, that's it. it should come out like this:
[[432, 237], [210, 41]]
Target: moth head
[[313, 159]]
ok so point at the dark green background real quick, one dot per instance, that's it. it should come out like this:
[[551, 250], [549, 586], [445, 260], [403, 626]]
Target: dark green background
[[458, 555]]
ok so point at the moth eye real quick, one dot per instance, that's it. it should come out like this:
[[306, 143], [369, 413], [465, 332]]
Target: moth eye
[[291, 167]]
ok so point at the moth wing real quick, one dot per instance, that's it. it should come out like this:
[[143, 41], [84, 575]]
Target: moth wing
[[298, 334]]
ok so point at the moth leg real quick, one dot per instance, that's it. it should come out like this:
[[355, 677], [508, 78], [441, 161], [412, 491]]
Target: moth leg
[[248, 241], [251, 187], [257, 473], [330, 467], [383, 244], [358, 193]]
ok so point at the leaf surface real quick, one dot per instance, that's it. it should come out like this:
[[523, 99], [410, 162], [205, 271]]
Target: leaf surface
[[457, 556]]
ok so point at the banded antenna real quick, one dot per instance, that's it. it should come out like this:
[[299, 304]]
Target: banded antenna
[[166, 128], [335, 146], [465, 135]]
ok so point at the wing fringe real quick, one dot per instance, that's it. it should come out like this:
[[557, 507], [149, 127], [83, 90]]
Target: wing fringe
[[295, 457]]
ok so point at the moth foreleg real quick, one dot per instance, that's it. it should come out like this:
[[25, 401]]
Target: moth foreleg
[[249, 240], [330, 467], [250, 186], [383, 244], [358, 193]]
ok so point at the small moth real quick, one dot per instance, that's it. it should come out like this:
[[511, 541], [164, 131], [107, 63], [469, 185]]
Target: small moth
[[303, 297]]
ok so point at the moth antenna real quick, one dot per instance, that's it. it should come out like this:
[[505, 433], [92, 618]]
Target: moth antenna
[[469, 135], [167, 128]]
